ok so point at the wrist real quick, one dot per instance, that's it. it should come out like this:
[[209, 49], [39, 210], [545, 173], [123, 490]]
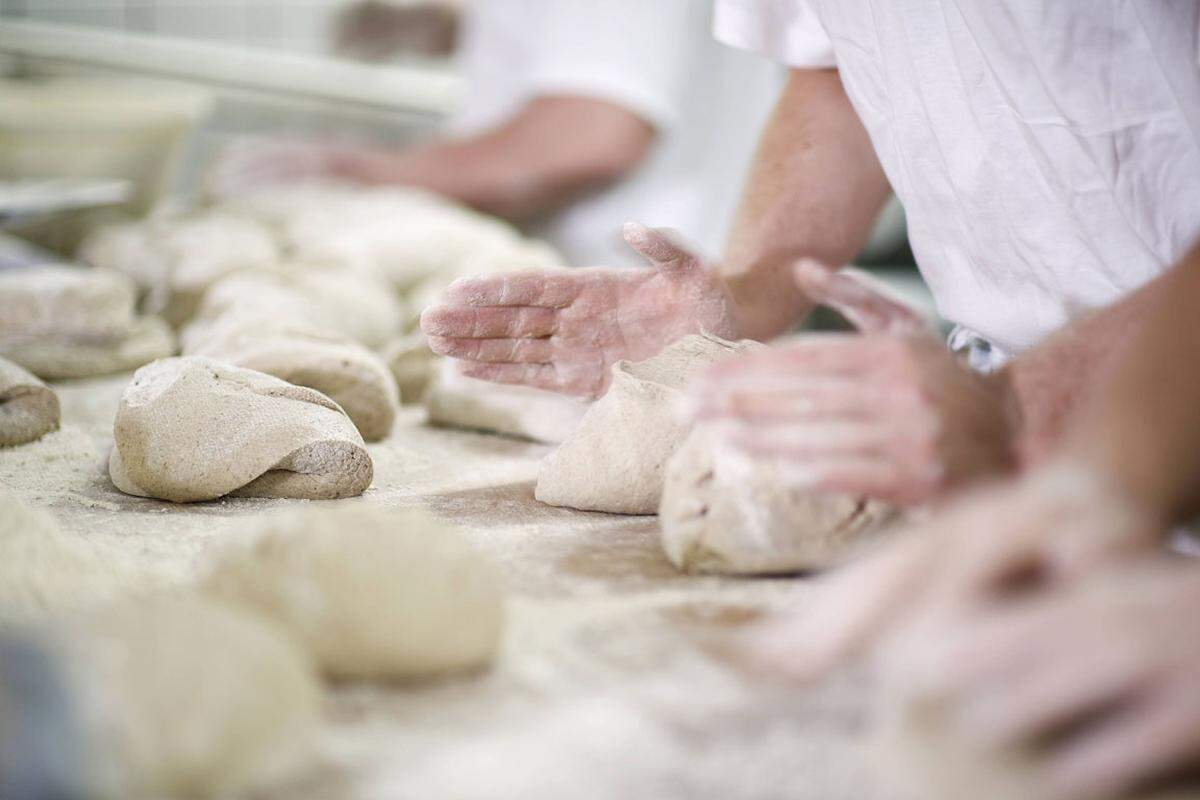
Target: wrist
[[766, 301]]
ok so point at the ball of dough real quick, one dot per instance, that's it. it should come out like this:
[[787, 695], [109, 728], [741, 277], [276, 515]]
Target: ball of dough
[[615, 459], [28, 408], [186, 697], [373, 594], [739, 517]]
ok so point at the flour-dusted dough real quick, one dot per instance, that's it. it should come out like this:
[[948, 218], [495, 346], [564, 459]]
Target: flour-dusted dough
[[64, 302], [193, 429], [413, 366], [343, 300], [184, 697], [615, 460], [737, 517], [374, 594], [349, 374], [54, 359], [456, 401], [28, 408], [175, 258], [42, 571]]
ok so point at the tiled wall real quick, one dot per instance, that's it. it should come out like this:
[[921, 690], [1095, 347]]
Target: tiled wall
[[296, 25]]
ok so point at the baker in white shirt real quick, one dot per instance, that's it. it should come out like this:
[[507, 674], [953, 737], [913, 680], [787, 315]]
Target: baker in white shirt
[[1048, 157], [577, 115]]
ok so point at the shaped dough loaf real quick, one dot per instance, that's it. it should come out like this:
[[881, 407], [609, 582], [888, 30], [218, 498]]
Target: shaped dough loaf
[[184, 697], [413, 366], [373, 594], [736, 517], [28, 408], [336, 366], [174, 259], [69, 322], [335, 299], [615, 460], [191, 429], [456, 401]]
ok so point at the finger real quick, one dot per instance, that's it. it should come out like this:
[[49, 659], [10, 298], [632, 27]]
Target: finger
[[785, 397], [824, 353], [1138, 742], [849, 610], [875, 476], [809, 444], [486, 322], [517, 351], [539, 376], [858, 298], [661, 247], [544, 288]]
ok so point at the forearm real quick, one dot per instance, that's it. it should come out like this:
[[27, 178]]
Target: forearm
[[549, 153], [815, 190], [1142, 427]]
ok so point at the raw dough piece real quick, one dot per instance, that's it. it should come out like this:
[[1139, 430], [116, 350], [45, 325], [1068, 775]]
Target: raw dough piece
[[55, 359], [28, 408], [616, 458], [336, 366], [64, 302], [456, 401], [42, 571], [337, 299], [193, 429], [174, 259], [373, 594], [413, 365], [185, 697], [735, 517]]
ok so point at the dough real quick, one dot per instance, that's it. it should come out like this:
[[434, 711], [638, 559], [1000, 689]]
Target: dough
[[64, 302], [456, 401], [413, 366], [337, 367], [174, 259], [191, 429], [42, 571], [335, 299], [373, 594], [616, 458], [55, 359], [28, 407], [184, 697], [735, 517]]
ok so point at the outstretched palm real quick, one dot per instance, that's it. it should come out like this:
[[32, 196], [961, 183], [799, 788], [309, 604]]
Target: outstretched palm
[[563, 329]]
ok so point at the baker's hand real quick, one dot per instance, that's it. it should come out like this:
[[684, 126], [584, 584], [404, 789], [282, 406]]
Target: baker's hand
[[889, 413], [563, 329], [1052, 525], [1097, 683]]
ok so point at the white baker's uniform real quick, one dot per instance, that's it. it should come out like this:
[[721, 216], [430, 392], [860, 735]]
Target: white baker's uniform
[[657, 58], [1047, 152]]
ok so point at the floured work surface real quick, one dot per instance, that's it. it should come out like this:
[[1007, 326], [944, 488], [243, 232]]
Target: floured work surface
[[605, 686]]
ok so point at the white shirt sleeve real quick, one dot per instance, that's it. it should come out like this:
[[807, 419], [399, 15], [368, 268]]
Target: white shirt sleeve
[[634, 53], [787, 31]]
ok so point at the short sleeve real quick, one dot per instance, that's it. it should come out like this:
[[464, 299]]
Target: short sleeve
[[787, 31], [633, 53]]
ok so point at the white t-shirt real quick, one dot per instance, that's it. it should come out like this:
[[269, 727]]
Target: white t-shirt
[[707, 102], [1047, 152]]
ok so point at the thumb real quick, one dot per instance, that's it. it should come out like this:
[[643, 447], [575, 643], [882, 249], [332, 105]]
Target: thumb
[[858, 297], [662, 248]]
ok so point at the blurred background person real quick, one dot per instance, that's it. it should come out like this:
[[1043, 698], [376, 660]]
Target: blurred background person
[[578, 117]]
